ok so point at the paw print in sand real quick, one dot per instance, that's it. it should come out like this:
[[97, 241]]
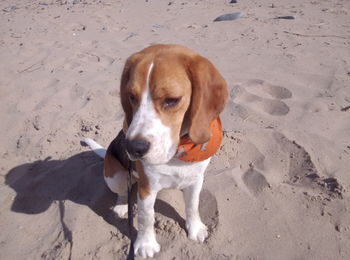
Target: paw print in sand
[[262, 97]]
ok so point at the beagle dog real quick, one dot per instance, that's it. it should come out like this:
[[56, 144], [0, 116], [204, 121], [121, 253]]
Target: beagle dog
[[172, 98]]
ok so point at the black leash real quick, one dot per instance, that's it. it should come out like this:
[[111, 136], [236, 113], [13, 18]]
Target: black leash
[[118, 150], [131, 254]]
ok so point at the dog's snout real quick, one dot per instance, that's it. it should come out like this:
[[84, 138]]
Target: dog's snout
[[137, 148]]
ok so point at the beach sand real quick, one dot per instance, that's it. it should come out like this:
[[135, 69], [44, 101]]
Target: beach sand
[[277, 189]]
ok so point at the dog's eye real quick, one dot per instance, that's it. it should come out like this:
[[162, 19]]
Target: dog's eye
[[132, 98], [171, 102]]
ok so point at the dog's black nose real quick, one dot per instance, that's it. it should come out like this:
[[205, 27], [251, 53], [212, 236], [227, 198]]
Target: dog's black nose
[[137, 148]]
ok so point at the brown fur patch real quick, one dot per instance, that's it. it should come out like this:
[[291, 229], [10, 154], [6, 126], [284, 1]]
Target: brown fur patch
[[133, 82], [143, 183], [177, 72], [111, 165], [209, 97], [168, 74], [169, 80]]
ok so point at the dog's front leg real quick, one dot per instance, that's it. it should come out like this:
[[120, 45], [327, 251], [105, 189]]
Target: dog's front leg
[[196, 229], [146, 244]]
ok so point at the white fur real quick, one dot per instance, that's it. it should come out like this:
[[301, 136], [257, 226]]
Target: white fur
[[121, 208], [146, 244], [163, 171], [147, 124], [95, 147], [117, 183], [174, 174]]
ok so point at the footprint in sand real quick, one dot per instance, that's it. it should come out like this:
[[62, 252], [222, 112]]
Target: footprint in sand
[[274, 91], [208, 208], [262, 96], [255, 181]]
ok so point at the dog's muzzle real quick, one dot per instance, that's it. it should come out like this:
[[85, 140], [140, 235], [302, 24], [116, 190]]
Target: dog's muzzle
[[137, 148]]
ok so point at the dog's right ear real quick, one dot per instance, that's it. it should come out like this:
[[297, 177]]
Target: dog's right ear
[[124, 94], [208, 99]]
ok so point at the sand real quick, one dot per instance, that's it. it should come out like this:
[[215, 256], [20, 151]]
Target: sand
[[277, 189]]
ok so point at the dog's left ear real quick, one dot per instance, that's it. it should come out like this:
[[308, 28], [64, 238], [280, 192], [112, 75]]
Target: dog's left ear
[[208, 99]]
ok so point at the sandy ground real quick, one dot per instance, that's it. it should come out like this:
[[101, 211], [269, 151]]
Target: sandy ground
[[277, 189]]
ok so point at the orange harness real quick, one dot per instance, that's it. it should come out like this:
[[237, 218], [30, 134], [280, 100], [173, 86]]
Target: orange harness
[[190, 152]]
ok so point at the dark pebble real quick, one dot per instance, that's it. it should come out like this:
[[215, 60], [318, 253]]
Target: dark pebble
[[288, 17], [229, 17], [345, 108]]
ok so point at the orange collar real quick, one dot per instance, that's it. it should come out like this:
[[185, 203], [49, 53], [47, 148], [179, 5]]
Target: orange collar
[[190, 152]]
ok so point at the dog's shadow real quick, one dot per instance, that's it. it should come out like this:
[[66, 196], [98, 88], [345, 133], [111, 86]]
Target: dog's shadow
[[78, 179]]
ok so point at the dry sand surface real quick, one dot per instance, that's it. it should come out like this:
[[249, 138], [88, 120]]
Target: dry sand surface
[[277, 189]]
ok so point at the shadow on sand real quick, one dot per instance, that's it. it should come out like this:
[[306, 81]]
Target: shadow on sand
[[78, 179]]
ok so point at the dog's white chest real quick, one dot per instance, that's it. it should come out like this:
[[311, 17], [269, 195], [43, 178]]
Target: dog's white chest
[[175, 174]]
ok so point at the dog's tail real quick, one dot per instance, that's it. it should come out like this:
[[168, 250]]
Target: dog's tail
[[95, 147]]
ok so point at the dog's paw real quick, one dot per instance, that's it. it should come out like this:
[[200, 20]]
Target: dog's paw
[[197, 230], [146, 246], [121, 210]]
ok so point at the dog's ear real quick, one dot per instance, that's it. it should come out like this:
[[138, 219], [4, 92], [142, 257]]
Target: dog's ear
[[124, 95], [208, 99]]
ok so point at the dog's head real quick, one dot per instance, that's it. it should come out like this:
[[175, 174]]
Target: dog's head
[[167, 91]]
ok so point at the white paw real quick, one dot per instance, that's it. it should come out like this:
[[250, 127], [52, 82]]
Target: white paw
[[146, 245], [121, 210], [197, 230]]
